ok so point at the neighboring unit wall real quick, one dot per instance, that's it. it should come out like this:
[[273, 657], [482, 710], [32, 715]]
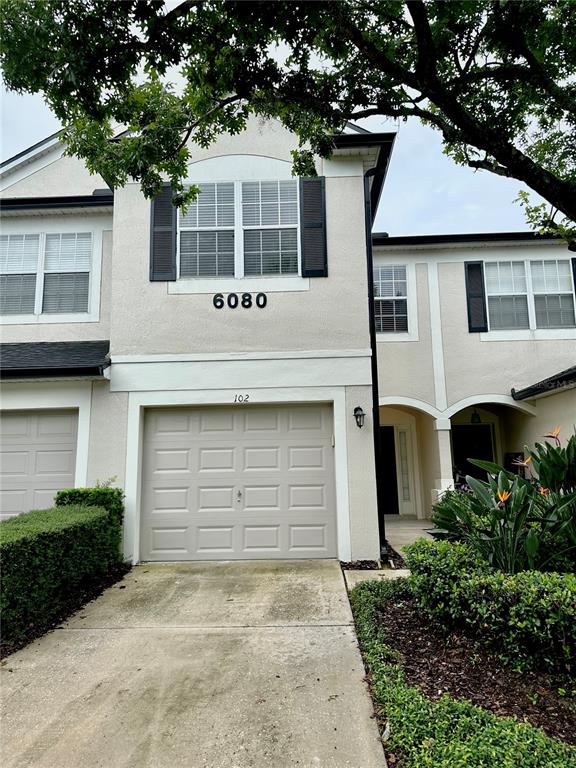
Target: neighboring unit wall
[[555, 410]]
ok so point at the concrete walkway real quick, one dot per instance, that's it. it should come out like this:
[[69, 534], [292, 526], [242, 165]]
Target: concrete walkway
[[402, 530], [203, 665]]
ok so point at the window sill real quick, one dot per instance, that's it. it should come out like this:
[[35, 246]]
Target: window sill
[[78, 317], [238, 285], [537, 334], [392, 336]]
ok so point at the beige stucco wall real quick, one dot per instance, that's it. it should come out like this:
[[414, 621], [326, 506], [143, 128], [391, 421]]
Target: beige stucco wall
[[60, 176], [405, 367], [474, 366], [108, 433], [362, 479], [332, 314], [555, 410], [81, 331]]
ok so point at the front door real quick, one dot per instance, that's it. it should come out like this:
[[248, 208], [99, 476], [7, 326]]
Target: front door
[[388, 459], [471, 441]]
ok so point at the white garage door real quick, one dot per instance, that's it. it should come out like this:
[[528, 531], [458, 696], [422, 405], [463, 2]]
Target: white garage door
[[37, 458], [238, 483]]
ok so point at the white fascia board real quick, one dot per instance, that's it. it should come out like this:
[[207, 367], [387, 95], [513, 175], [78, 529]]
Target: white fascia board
[[228, 356], [240, 375]]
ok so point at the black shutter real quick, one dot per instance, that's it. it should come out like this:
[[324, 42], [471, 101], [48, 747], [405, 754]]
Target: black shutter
[[163, 237], [476, 297], [574, 271], [313, 227]]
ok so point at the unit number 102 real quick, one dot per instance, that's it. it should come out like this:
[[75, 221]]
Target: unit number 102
[[241, 398], [245, 300]]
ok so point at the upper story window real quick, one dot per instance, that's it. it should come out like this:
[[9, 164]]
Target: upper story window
[[391, 299], [529, 294], [44, 274], [241, 229]]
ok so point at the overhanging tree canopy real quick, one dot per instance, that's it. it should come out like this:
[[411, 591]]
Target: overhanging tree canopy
[[495, 77]]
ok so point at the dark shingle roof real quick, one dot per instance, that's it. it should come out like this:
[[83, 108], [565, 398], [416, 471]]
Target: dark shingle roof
[[558, 381], [60, 358]]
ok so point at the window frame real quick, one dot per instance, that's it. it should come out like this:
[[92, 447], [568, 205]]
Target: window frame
[[532, 331], [239, 228], [46, 226], [412, 334]]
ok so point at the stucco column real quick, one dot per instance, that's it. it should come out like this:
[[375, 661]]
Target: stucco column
[[444, 478]]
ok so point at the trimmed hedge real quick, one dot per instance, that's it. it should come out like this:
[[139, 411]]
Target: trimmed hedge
[[528, 617], [111, 499], [49, 557], [447, 733]]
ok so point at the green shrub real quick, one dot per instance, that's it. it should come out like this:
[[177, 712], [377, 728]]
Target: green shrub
[[528, 617], [48, 557], [446, 733], [111, 499]]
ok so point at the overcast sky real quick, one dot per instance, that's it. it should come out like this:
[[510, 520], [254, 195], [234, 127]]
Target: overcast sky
[[425, 192]]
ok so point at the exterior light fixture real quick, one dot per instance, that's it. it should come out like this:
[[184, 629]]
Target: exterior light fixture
[[475, 418], [359, 415]]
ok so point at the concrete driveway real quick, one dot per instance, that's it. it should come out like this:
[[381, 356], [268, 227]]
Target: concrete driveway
[[204, 665]]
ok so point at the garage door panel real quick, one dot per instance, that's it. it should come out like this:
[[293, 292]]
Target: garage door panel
[[216, 498], [261, 538], [258, 497], [170, 499], [306, 537], [14, 463], [307, 457], [37, 458], [260, 484], [258, 458], [215, 421], [217, 459], [169, 540], [54, 463], [257, 420], [54, 425]]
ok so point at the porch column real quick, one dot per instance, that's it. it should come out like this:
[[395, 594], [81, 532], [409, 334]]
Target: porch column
[[444, 479]]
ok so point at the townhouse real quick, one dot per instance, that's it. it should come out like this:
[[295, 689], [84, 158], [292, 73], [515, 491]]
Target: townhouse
[[263, 377]]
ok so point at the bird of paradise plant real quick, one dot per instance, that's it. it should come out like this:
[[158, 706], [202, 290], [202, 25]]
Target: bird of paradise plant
[[518, 523]]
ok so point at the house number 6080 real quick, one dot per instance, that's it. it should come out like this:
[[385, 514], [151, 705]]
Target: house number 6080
[[244, 300]]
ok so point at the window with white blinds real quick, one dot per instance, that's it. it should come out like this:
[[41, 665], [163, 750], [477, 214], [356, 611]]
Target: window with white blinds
[[530, 294], [553, 293], [270, 223], [19, 257], [507, 295], [391, 299], [241, 229], [206, 238], [45, 273]]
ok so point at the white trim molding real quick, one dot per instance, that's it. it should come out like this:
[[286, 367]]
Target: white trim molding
[[240, 374], [487, 400], [411, 402], [56, 395], [139, 401]]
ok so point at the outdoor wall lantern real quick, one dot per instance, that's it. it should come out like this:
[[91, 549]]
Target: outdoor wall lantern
[[359, 415], [475, 418]]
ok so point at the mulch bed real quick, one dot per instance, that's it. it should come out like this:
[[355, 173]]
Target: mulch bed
[[360, 565], [437, 664], [90, 592], [390, 554]]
